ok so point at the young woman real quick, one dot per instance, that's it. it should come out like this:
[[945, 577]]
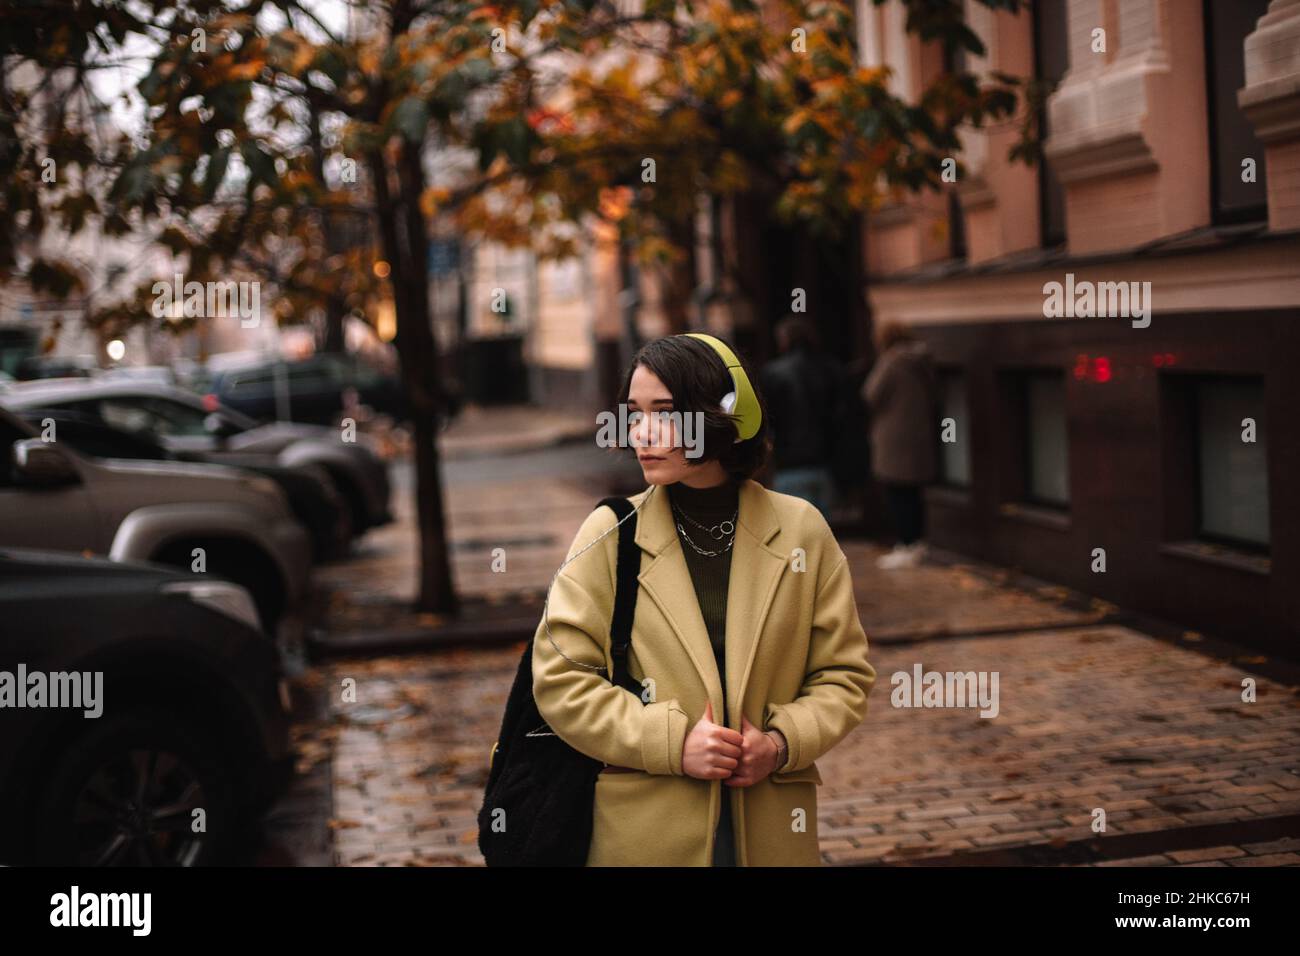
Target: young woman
[[746, 637]]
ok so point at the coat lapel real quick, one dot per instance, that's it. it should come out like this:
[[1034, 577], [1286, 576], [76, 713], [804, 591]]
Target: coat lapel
[[755, 571], [667, 581]]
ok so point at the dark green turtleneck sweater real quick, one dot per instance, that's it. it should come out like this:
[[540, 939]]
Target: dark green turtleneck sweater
[[711, 576]]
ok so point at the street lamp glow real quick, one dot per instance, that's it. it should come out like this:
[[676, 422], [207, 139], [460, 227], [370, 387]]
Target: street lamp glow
[[116, 349], [386, 320]]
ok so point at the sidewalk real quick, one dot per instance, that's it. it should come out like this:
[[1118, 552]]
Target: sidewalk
[[1092, 717], [489, 430]]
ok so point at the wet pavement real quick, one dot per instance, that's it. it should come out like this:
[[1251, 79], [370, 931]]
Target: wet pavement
[[1089, 718]]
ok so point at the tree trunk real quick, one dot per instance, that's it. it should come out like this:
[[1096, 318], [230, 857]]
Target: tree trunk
[[404, 241], [679, 279], [335, 310]]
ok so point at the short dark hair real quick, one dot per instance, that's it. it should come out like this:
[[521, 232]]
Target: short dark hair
[[697, 379]]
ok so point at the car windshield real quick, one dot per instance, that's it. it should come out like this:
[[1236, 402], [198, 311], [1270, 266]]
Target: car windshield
[[91, 438], [160, 415], [153, 415]]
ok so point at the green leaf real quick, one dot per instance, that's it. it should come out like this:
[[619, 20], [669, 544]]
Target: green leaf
[[410, 118], [477, 71], [450, 92], [514, 137]]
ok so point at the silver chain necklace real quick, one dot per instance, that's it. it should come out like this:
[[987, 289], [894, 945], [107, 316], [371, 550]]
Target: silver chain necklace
[[718, 531]]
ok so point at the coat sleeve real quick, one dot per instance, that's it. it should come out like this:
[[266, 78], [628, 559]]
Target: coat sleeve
[[879, 384], [833, 699], [593, 716]]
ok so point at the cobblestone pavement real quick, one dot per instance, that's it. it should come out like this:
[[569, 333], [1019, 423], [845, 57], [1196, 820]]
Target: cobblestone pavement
[[1091, 717]]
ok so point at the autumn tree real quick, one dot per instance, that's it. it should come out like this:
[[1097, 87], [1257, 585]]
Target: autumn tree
[[271, 132]]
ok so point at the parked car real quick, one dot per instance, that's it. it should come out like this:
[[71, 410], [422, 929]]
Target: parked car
[[176, 513], [154, 374], [193, 714], [184, 422], [49, 366], [17, 342], [316, 503], [309, 390]]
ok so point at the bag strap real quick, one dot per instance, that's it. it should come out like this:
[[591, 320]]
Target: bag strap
[[626, 587]]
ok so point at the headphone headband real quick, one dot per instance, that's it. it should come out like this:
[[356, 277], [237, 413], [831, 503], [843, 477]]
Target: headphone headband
[[742, 402]]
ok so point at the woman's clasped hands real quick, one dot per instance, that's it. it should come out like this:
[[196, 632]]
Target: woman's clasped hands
[[738, 758]]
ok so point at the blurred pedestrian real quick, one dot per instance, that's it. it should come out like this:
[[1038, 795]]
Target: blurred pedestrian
[[901, 395], [805, 397]]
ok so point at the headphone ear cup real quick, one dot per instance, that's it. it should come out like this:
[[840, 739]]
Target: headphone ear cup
[[749, 418]]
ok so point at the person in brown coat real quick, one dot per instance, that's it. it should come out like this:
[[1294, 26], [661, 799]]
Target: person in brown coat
[[745, 637], [900, 394]]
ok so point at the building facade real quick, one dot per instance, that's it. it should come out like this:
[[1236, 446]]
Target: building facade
[[1117, 328]]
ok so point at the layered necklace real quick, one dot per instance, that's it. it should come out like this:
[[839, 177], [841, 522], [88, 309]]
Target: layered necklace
[[723, 529]]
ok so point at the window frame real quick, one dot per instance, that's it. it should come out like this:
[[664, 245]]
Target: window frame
[[1244, 545], [1015, 449], [1219, 215], [1181, 456], [944, 374]]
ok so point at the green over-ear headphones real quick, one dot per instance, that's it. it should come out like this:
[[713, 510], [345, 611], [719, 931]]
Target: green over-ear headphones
[[742, 402]]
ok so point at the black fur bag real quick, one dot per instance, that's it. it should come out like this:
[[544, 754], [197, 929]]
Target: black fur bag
[[545, 787]]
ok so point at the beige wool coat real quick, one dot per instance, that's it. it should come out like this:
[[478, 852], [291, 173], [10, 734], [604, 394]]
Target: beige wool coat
[[796, 660]]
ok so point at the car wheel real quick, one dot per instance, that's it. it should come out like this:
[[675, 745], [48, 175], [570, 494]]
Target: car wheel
[[125, 794], [343, 535], [355, 503], [248, 567]]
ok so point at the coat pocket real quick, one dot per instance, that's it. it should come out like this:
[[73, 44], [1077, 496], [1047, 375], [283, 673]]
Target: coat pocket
[[644, 819], [781, 821]]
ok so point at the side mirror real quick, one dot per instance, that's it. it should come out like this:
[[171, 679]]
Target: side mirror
[[37, 464]]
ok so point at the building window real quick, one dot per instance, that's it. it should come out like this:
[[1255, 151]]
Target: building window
[[1051, 60], [1232, 471], [1232, 136], [956, 227], [954, 415], [1046, 448]]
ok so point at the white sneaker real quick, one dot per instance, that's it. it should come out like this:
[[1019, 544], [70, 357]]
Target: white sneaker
[[902, 556]]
